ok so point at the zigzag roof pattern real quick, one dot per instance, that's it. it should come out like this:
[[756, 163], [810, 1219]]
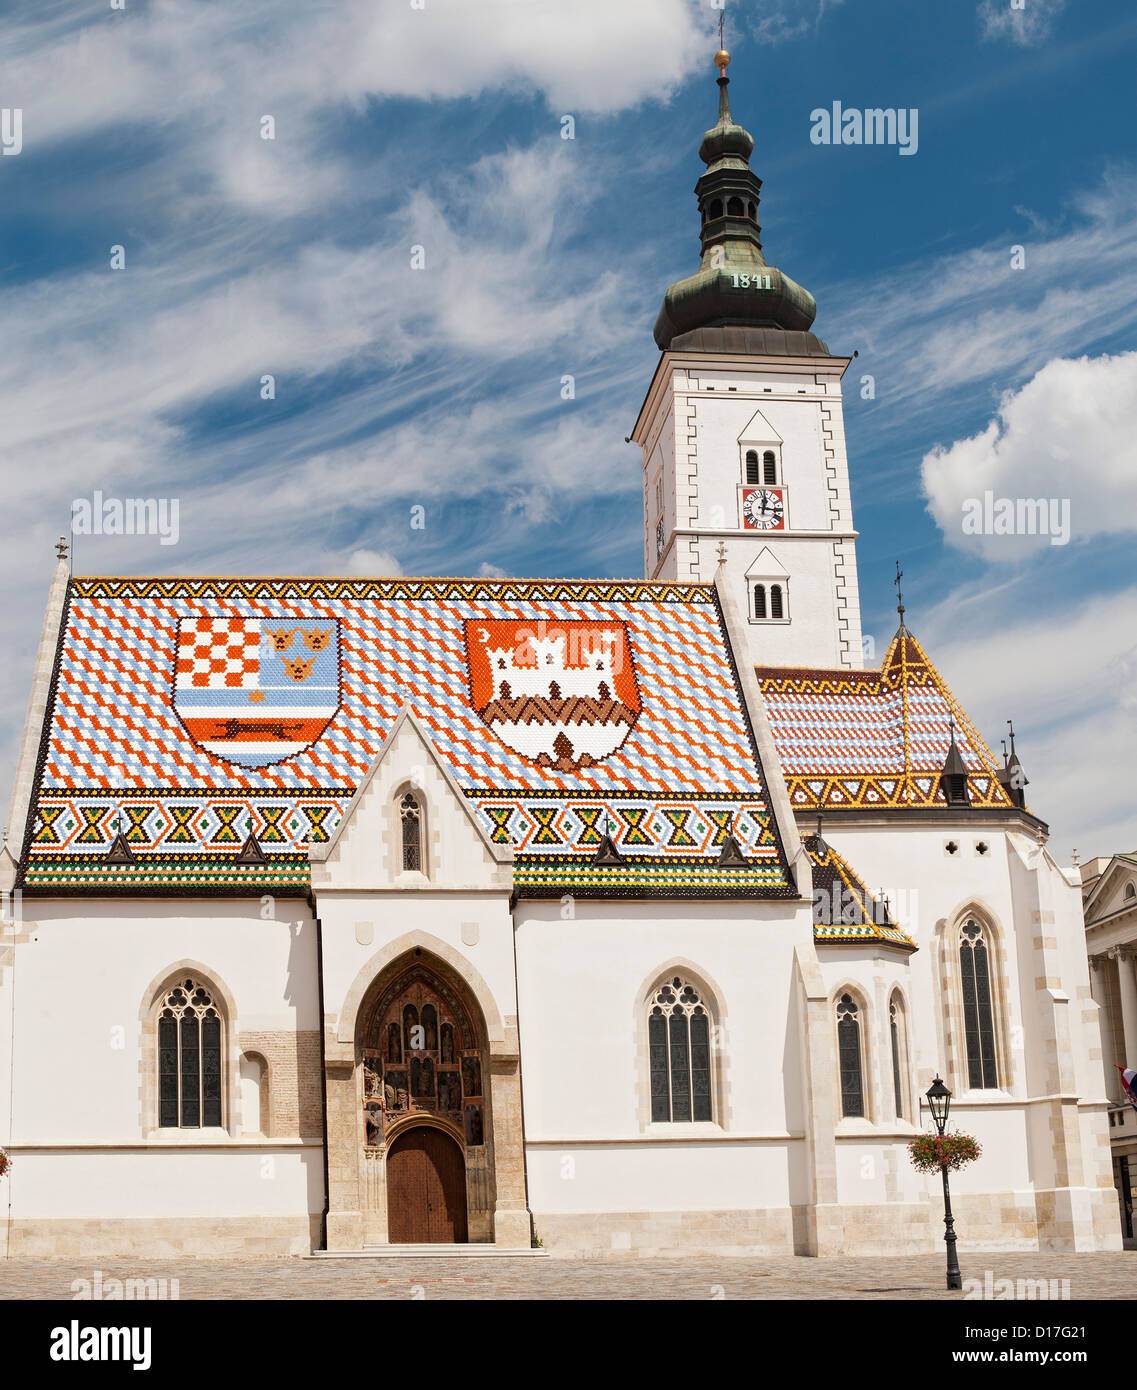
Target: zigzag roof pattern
[[854, 740], [843, 908], [172, 699]]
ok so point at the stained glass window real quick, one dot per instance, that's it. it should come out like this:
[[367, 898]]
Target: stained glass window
[[189, 1059], [894, 1022], [978, 1008], [849, 1057], [679, 1054], [410, 814]]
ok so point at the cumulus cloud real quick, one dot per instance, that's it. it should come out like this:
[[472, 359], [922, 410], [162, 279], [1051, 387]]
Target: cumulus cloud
[[1067, 436], [1029, 23]]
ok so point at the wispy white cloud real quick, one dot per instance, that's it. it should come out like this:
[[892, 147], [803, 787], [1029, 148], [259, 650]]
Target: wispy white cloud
[[1023, 22], [932, 331]]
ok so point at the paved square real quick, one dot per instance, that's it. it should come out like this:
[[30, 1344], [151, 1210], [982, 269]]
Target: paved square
[[1091, 1276]]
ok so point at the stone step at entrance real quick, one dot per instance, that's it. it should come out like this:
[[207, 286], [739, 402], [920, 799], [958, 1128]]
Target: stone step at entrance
[[418, 1252]]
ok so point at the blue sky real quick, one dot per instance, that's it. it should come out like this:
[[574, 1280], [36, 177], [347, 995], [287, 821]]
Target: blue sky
[[440, 388]]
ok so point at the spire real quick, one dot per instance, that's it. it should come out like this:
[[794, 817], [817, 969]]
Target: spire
[[735, 287], [953, 774], [900, 600], [1012, 777]]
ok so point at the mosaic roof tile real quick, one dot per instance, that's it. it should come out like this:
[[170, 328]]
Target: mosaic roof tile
[[190, 713], [873, 739]]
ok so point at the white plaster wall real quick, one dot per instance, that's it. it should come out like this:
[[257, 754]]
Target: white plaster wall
[[582, 987], [359, 930], [155, 1182], [661, 1177], [80, 982]]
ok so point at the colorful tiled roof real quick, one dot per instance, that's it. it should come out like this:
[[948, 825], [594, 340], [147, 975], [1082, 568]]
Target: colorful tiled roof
[[188, 714], [851, 740], [843, 908]]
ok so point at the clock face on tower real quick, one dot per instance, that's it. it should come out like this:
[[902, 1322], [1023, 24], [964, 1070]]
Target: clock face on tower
[[763, 509]]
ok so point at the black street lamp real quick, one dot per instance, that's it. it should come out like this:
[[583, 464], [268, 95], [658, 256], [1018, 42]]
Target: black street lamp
[[939, 1103]]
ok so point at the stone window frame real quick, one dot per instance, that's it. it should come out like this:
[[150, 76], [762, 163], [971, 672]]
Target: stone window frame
[[864, 1033], [403, 790], [713, 1000], [897, 1001], [955, 1042], [149, 1010]]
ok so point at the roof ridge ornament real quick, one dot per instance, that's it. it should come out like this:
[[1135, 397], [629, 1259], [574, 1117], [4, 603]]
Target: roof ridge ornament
[[899, 599]]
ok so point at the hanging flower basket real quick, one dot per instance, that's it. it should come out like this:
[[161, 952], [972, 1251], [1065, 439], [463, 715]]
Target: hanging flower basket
[[5, 1163], [929, 1152]]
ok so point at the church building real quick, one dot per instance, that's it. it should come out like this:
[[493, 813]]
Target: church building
[[611, 916]]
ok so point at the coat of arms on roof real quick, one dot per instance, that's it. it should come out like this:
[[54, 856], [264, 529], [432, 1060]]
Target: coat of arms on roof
[[256, 691], [562, 694]]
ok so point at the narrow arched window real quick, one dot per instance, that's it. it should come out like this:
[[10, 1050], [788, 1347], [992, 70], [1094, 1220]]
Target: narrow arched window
[[716, 209], [410, 813], [769, 467], [189, 1058], [978, 1007], [753, 211], [849, 1057], [776, 608], [759, 600], [896, 1037], [679, 1048], [734, 207], [752, 475]]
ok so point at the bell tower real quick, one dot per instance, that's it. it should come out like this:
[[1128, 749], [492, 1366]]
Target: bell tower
[[742, 433]]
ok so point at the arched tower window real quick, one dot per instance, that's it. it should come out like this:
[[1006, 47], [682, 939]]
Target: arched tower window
[[679, 1050], [776, 607], [410, 816], [759, 600], [752, 475], [769, 467], [189, 1058], [849, 1057], [734, 207], [716, 208], [978, 1006]]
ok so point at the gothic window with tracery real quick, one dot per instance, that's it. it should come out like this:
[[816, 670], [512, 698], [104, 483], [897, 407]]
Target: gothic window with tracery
[[978, 1007], [189, 1058], [410, 814], [896, 1038], [849, 1057], [679, 1048]]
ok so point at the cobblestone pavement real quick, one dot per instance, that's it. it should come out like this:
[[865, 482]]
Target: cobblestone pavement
[[1091, 1276]]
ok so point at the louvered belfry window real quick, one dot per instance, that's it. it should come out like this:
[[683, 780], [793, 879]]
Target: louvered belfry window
[[978, 1007], [189, 1059], [679, 1046]]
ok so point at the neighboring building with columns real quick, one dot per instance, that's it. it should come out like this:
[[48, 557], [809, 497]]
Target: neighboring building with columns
[[1109, 889], [368, 912]]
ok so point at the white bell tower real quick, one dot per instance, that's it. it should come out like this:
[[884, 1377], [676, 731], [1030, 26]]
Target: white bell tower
[[742, 434]]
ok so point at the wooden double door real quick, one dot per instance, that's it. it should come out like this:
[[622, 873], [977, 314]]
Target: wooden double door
[[426, 1188]]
